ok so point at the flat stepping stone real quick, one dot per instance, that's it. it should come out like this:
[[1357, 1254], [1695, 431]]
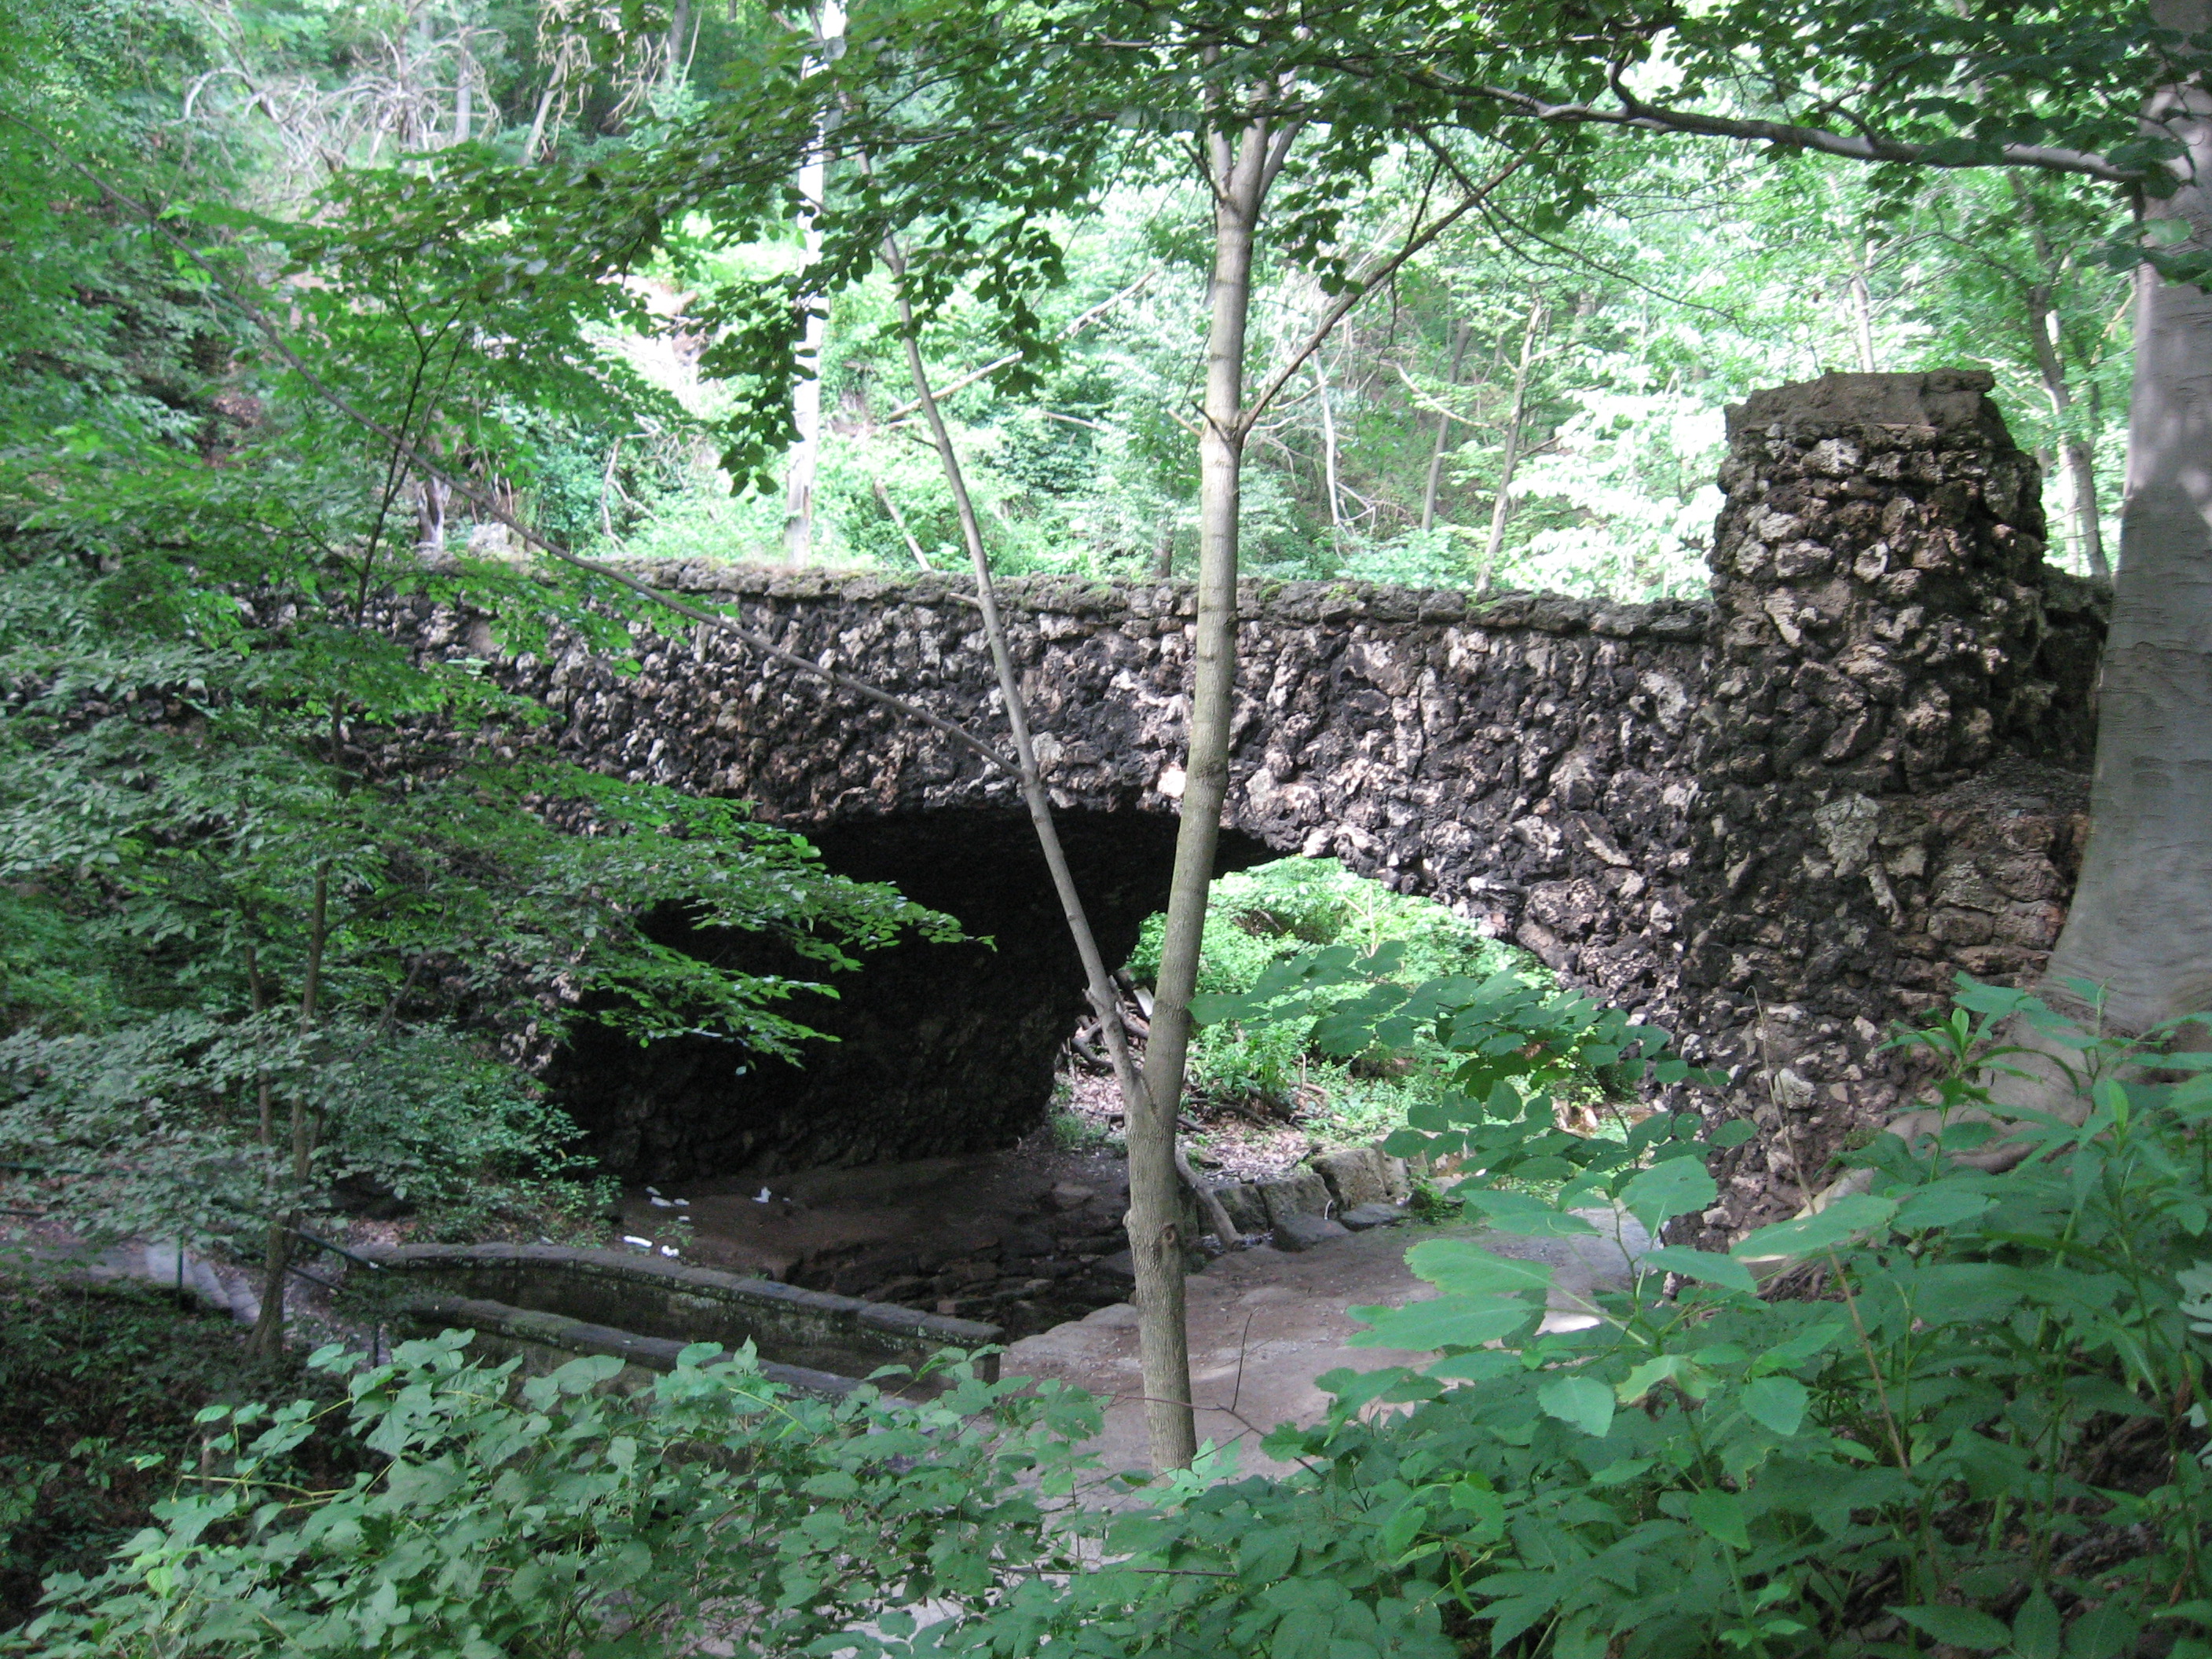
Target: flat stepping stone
[[1361, 1217], [1303, 1232]]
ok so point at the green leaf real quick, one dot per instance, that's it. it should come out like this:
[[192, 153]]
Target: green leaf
[[2036, 1631], [1855, 1213], [1581, 1401], [1961, 1627], [1675, 1187], [1703, 1266], [1720, 1514], [1459, 1266], [1517, 1212], [1775, 1402], [1941, 1203], [2102, 1634], [1448, 1322]]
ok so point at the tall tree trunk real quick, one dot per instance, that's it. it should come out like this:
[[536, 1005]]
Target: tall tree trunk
[[806, 397], [464, 100], [2140, 928], [1863, 312], [531, 146], [1177, 1449], [1238, 163], [2080, 459], [1327, 446], [898, 518], [1501, 510], [1460, 335], [2140, 925]]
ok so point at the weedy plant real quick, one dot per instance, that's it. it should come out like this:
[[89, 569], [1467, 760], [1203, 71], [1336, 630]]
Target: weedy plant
[[1977, 1424], [566, 1518]]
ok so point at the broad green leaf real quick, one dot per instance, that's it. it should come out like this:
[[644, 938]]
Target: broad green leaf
[[1477, 1367], [1775, 1402], [2036, 1630], [1674, 1187], [1446, 1321], [1855, 1213], [1720, 1514], [1517, 1212], [1682, 1372], [1459, 1266], [1581, 1401], [2103, 1634], [1943, 1204], [1703, 1266], [1961, 1627]]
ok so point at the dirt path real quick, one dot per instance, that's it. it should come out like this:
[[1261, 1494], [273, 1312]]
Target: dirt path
[[1264, 1325]]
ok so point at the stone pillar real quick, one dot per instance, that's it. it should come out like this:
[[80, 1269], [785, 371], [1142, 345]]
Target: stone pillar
[[1876, 794]]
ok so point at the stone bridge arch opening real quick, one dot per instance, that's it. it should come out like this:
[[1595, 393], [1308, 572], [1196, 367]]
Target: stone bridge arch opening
[[937, 1049]]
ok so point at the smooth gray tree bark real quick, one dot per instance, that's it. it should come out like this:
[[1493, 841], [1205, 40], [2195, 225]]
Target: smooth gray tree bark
[[2141, 924], [1240, 172]]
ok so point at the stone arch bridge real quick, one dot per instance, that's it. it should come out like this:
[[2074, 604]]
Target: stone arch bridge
[[1775, 821]]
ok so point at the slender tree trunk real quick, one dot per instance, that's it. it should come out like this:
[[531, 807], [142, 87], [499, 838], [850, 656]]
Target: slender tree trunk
[[1176, 1449], [1327, 446], [1862, 313], [1239, 168], [2079, 459], [1163, 548], [267, 1341], [536, 139], [1460, 335], [891, 511], [806, 397], [1501, 510], [465, 102]]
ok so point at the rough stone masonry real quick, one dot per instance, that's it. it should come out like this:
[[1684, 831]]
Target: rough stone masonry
[[1777, 823]]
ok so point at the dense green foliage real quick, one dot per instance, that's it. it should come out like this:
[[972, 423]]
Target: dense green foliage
[[99, 1384], [290, 900], [1275, 912], [555, 1518], [1968, 1411], [1977, 1417]]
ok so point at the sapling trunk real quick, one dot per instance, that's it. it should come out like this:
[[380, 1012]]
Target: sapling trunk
[[1239, 168], [1501, 510], [1460, 334], [267, 1341], [1174, 1449]]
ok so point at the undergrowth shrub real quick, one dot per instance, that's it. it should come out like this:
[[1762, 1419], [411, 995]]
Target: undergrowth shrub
[[1977, 1425], [1954, 1413], [713, 1511], [94, 1377], [1277, 913]]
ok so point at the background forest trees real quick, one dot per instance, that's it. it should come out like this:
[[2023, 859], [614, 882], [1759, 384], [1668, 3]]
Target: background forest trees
[[1706, 273]]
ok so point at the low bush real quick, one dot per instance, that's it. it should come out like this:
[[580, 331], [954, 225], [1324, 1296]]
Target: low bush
[[1278, 912], [713, 1510], [94, 1379], [1978, 1425], [1954, 1413]]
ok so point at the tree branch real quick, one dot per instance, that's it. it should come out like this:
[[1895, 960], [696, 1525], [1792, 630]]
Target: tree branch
[[1374, 278]]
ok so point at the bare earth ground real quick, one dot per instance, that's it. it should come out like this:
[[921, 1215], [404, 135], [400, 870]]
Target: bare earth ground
[[1264, 1325]]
